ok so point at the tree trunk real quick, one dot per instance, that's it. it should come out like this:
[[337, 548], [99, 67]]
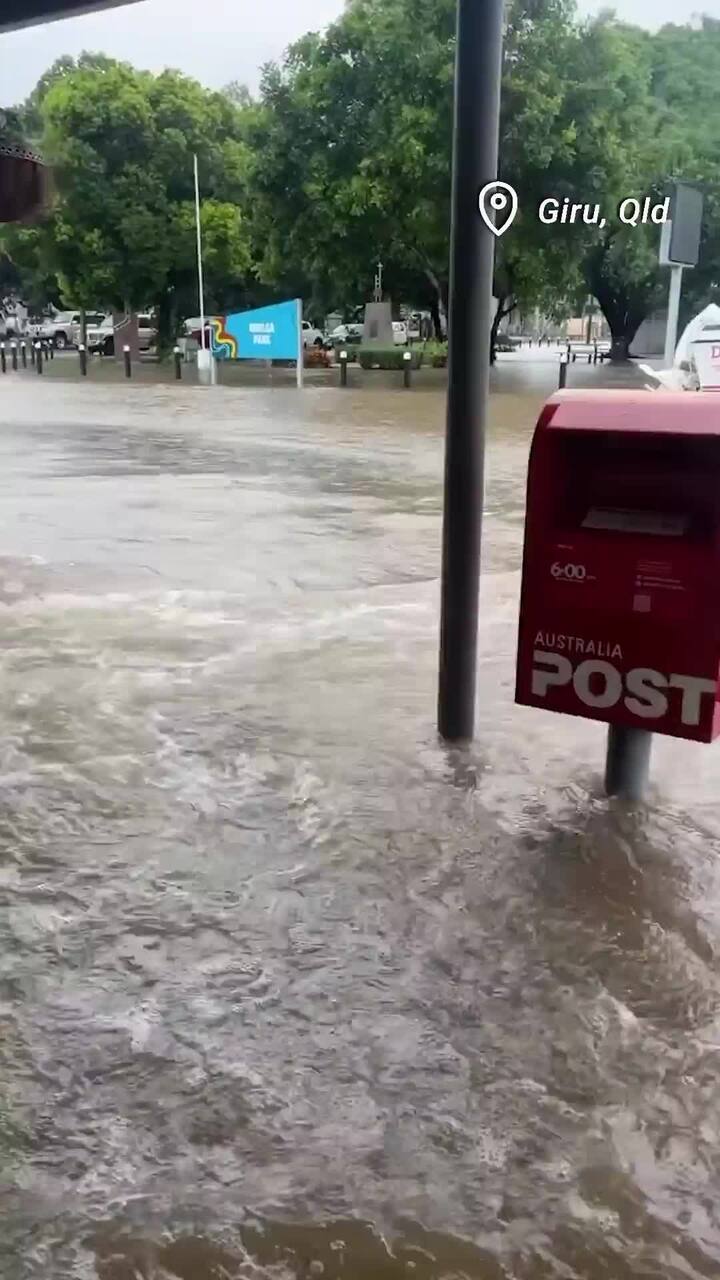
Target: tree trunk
[[624, 324], [494, 331], [623, 308], [440, 306], [125, 325], [501, 312], [435, 314], [624, 319], [165, 324], [620, 347]]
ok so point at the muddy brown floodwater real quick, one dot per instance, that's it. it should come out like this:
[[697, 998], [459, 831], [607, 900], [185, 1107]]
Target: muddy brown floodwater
[[286, 988]]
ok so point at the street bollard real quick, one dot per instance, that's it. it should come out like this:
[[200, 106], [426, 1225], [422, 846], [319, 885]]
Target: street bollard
[[562, 377], [407, 364], [83, 359], [39, 357], [14, 356], [32, 353], [595, 354], [50, 350], [3, 364], [589, 357], [128, 367], [343, 356], [574, 356], [177, 353], [23, 355]]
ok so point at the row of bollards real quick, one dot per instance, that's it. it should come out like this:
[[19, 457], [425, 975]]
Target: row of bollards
[[46, 350], [18, 352]]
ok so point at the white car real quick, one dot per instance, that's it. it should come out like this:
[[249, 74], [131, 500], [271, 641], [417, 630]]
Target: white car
[[311, 336], [346, 333], [400, 333]]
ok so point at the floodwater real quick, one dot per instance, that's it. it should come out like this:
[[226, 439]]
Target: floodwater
[[287, 989]]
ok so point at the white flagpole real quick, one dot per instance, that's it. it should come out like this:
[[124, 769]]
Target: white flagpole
[[301, 350], [201, 290]]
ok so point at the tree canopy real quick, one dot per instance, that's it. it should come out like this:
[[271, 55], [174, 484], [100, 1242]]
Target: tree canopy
[[121, 145], [343, 159]]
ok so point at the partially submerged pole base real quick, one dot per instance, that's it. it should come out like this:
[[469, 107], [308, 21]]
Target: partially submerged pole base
[[206, 368], [627, 765]]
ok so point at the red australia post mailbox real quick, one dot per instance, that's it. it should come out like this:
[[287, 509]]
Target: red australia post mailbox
[[620, 604]]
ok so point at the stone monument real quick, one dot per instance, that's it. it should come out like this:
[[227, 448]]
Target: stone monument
[[377, 326]]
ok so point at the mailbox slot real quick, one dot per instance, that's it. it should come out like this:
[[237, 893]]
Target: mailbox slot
[[669, 487]]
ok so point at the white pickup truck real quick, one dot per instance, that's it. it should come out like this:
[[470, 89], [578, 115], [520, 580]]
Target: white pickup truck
[[63, 330]]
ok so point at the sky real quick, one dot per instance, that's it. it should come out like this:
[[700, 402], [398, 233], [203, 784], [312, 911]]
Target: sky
[[221, 40]]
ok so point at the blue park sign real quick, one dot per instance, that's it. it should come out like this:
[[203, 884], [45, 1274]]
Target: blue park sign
[[267, 333]]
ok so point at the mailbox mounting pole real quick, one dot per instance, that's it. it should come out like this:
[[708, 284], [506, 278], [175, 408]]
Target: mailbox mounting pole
[[673, 312], [627, 764], [475, 150]]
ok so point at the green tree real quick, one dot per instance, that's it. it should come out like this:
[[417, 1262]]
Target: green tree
[[660, 97], [121, 144], [353, 148]]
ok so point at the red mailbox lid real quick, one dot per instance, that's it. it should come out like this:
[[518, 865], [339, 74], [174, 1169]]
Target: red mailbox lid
[[677, 413]]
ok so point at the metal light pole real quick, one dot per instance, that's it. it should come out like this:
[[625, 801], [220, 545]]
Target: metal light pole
[[205, 358], [201, 289], [475, 150]]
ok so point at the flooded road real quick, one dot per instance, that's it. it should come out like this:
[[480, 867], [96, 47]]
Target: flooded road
[[286, 988]]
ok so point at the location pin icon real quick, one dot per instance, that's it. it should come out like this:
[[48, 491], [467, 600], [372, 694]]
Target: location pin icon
[[498, 200]]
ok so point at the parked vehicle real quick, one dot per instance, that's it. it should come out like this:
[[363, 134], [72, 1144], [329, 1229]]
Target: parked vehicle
[[311, 336], [65, 327], [351, 333], [101, 337], [400, 333]]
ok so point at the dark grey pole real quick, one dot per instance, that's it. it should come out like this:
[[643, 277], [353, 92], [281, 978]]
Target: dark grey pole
[[83, 359], [177, 353], [627, 765], [343, 368], [475, 150], [562, 375]]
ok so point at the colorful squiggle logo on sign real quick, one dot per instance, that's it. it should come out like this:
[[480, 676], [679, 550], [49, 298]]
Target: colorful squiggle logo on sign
[[224, 346]]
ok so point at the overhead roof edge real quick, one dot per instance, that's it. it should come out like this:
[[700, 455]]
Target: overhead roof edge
[[27, 13]]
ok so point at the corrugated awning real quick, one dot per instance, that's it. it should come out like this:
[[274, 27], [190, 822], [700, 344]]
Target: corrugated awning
[[25, 13]]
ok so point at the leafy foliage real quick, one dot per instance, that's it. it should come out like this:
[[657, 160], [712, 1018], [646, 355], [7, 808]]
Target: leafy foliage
[[344, 160], [121, 144]]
